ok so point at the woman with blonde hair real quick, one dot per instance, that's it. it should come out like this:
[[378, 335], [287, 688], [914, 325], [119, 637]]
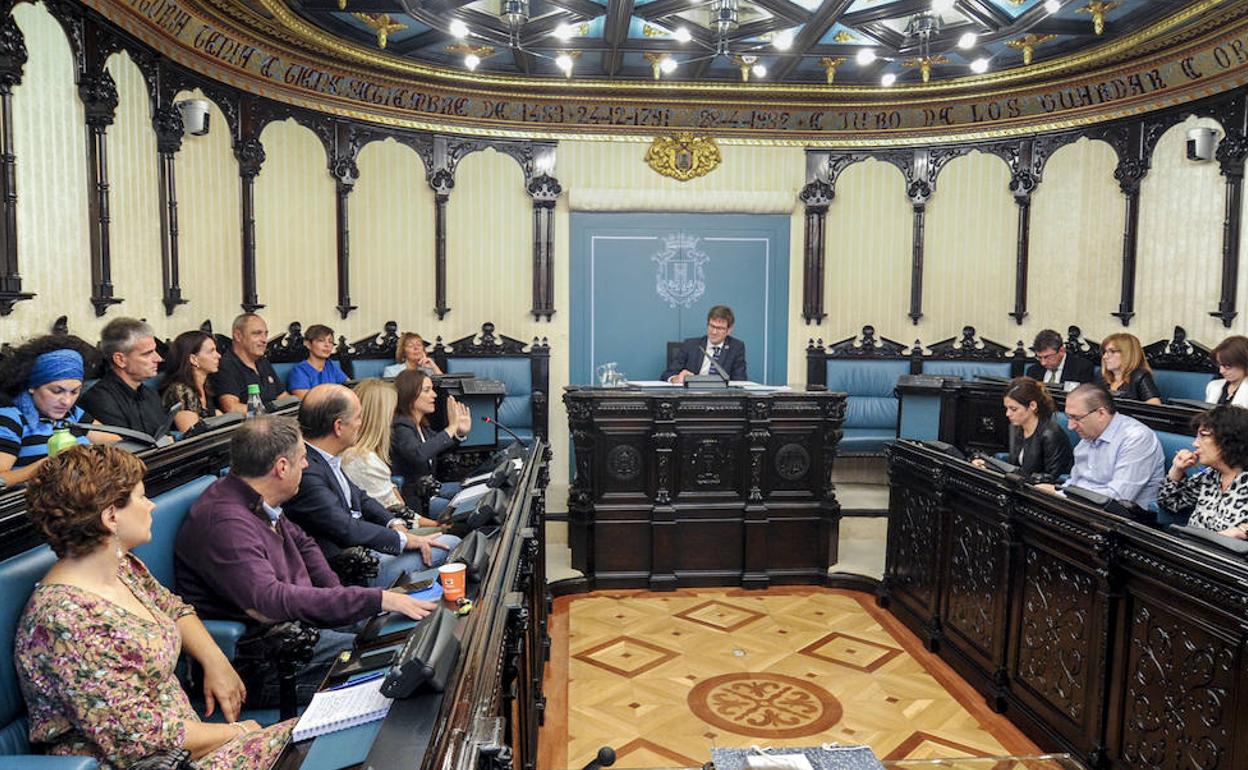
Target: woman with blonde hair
[[410, 354], [368, 462], [1125, 371]]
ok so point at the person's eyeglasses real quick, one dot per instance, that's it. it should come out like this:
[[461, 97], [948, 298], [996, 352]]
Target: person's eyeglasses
[[718, 327], [1049, 356], [1110, 351], [1204, 433], [1080, 417]]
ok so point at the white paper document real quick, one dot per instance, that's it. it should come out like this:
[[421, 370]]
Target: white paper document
[[334, 710]]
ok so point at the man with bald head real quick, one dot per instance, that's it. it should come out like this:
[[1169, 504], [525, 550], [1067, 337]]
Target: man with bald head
[[337, 513], [1118, 456]]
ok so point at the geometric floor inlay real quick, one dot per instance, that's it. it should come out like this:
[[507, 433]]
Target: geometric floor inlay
[[665, 677]]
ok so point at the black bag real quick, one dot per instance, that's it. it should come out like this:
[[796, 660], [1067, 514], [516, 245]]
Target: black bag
[[426, 659]]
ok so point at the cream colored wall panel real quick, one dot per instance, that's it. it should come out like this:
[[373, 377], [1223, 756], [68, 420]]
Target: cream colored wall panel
[[209, 218], [296, 249], [134, 200], [1178, 279], [50, 144], [969, 255], [867, 255], [392, 245], [1077, 217]]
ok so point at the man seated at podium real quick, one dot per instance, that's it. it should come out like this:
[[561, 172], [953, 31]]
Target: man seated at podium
[[1053, 365], [719, 345]]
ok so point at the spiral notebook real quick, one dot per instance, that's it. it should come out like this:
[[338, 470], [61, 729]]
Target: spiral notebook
[[334, 710]]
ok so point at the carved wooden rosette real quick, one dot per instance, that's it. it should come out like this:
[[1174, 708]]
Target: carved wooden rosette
[[13, 57], [545, 191]]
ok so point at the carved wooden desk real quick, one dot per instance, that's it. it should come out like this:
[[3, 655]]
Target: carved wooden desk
[[1118, 643], [681, 488]]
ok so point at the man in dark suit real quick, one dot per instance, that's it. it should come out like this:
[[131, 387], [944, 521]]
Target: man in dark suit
[[1055, 366], [337, 513], [718, 344]]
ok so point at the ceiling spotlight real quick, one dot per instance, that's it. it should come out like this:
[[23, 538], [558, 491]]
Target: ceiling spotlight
[[564, 62], [759, 70], [459, 29], [783, 40], [514, 12], [668, 65], [565, 31], [682, 35], [979, 66], [865, 56], [1052, 6], [888, 79], [471, 61], [941, 6], [967, 40]]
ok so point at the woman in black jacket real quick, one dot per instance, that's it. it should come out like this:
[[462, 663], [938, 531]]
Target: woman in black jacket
[[1038, 446], [414, 446]]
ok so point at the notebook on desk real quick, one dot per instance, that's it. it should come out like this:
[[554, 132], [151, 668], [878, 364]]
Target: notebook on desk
[[339, 709]]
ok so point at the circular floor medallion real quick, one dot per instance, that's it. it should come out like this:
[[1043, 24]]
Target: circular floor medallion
[[764, 705]]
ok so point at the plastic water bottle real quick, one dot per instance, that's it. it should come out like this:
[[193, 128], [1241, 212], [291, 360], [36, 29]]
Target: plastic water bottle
[[60, 440], [255, 406]]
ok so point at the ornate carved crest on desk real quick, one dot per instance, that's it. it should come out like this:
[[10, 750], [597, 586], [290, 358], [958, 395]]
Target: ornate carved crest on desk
[[679, 278], [683, 156]]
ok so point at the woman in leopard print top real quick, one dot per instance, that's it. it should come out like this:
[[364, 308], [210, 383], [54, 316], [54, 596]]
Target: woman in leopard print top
[[1218, 495]]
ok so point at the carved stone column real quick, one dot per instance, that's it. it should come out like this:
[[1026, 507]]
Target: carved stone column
[[345, 174], [250, 155], [167, 123], [545, 191], [1022, 183], [1231, 153], [816, 196], [442, 181], [99, 96], [1129, 174], [12, 61]]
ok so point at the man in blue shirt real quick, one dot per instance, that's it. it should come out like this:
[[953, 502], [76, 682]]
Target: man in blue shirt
[[1118, 456]]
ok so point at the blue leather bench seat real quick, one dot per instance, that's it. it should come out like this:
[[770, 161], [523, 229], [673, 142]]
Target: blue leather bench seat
[[283, 372], [18, 575], [369, 367], [871, 406], [516, 372], [1175, 384], [967, 370]]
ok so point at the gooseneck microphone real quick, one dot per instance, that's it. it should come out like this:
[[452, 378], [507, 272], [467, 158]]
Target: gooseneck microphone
[[715, 364], [508, 431]]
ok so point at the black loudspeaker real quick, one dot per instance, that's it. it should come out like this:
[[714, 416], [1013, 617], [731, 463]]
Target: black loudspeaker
[[426, 660]]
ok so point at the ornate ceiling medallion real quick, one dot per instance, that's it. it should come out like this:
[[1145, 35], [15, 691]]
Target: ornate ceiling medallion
[[683, 156]]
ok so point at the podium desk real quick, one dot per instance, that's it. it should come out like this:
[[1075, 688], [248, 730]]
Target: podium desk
[[678, 488]]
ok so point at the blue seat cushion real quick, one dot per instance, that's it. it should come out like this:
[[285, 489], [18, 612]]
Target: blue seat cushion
[[516, 372], [366, 368], [1171, 443], [226, 634], [33, 762], [871, 412], [967, 370], [171, 509], [866, 378], [865, 441], [1190, 385], [18, 575], [283, 371], [1063, 422]]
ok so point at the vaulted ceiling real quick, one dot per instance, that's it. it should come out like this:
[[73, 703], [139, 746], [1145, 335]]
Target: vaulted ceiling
[[795, 41]]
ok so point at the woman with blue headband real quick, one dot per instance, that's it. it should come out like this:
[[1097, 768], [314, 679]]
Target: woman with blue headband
[[43, 379]]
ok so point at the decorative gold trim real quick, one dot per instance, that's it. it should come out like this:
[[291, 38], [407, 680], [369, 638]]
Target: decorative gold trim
[[1098, 9], [683, 156], [381, 24], [1027, 44], [310, 34]]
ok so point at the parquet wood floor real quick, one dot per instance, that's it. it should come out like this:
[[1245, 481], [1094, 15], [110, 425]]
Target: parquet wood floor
[[664, 677]]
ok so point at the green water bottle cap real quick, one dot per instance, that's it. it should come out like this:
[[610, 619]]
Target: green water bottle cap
[[253, 390]]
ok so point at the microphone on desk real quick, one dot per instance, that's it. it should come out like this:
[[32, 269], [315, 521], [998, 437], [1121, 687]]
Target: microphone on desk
[[715, 365], [605, 758], [508, 431]]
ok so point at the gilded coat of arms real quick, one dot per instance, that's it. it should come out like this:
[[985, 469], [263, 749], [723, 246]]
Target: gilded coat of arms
[[683, 156], [679, 278]]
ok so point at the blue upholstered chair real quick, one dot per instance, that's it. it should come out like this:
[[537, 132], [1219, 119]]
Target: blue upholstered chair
[[871, 406], [968, 370], [524, 372], [18, 575]]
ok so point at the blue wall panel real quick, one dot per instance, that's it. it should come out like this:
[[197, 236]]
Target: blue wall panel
[[640, 280]]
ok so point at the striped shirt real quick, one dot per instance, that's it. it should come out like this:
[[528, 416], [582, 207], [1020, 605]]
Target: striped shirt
[[27, 439]]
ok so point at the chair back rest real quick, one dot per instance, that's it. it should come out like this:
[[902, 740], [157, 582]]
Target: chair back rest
[[870, 385], [18, 575], [171, 509], [967, 370], [516, 372], [1178, 384]]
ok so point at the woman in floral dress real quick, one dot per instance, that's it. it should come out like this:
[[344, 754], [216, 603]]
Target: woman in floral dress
[[97, 645]]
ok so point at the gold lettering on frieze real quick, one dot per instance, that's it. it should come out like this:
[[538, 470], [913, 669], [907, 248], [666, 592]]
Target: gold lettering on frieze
[[1196, 67]]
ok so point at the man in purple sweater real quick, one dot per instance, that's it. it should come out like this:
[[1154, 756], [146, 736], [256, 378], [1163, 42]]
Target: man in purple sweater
[[237, 557]]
